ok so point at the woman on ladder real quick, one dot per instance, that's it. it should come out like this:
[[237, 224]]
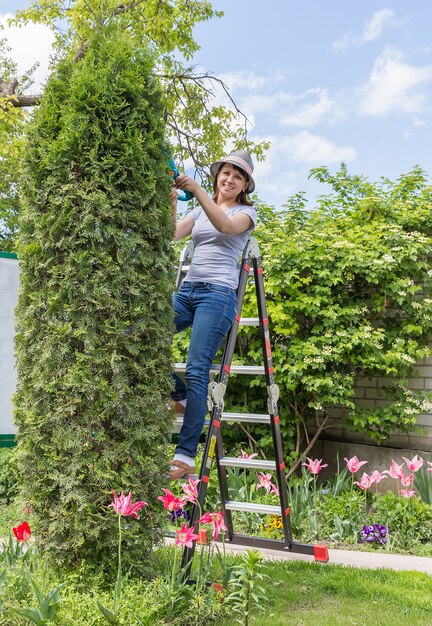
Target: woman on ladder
[[207, 300]]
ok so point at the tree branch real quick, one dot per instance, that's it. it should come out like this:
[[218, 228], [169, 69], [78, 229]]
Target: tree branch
[[311, 443], [7, 92]]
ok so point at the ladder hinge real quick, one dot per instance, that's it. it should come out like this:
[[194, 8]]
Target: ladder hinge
[[252, 250], [215, 397], [273, 397]]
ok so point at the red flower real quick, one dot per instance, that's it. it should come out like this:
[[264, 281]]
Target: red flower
[[185, 536], [170, 502], [190, 490], [22, 532], [217, 521], [123, 505]]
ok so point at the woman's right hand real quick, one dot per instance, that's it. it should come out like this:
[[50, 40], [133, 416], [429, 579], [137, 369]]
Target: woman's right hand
[[186, 183]]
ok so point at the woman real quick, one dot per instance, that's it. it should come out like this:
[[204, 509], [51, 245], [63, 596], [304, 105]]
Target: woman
[[207, 298]]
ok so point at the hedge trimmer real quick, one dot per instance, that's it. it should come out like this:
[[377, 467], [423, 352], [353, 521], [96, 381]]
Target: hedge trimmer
[[184, 196]]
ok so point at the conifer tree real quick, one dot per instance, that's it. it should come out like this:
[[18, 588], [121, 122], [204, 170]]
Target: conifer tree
[[94, 320]]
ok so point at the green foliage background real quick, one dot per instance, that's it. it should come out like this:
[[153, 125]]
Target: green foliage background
[[94, 319], [349, 294]]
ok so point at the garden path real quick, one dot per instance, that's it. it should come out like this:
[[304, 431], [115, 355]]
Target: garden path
[[353, 558], [356, 558]]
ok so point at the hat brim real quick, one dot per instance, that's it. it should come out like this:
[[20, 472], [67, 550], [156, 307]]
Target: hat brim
[[214, 168]]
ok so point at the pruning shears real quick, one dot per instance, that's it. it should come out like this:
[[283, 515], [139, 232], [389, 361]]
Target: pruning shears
[[184, 196]]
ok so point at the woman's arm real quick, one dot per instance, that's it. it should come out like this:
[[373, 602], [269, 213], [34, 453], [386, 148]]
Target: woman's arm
[[229, 225], [183, 227]]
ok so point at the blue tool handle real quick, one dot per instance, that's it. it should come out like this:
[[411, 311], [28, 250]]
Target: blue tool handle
[[184, 196]]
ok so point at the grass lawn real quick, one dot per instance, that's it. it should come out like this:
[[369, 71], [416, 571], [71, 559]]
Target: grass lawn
[[311, 594]]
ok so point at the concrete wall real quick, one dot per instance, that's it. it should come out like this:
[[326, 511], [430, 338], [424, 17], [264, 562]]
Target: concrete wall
[[9, 278]]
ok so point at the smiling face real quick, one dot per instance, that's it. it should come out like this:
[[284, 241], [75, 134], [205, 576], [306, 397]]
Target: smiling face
[[230, 183]]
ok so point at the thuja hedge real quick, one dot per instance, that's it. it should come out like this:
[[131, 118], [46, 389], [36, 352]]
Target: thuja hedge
[[94, 319], [349, 294]]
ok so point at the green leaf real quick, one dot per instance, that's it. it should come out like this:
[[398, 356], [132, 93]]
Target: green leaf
[[109, 616], [32, 614]]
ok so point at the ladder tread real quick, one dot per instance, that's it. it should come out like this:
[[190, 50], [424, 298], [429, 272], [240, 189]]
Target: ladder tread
[[252, 507], [235, 369], [249, 321], [227, 461], [257, 418]]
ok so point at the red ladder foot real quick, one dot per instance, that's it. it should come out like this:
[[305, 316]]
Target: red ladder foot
[[321, 553]]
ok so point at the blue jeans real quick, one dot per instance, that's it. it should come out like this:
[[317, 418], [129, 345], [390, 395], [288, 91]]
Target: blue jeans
[[210, 309]]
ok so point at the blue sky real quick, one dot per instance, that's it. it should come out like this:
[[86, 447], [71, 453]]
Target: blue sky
[[324, 82]]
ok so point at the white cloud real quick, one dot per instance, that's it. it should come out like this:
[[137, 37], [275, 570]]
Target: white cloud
[[305, 147], [375, 26], [312, 113], [289, 159], [29, 44], [373, 29], [394, 85], [248, 80]]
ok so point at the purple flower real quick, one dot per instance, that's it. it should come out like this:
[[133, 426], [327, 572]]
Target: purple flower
[[180, 513], [376, 532]]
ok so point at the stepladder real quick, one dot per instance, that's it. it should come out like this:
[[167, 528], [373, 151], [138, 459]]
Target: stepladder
[[219, 419]]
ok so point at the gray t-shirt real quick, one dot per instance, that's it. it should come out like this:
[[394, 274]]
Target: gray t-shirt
[[216, 254]]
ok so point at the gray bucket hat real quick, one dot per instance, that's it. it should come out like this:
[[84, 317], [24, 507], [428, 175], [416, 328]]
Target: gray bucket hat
[[241, 159]]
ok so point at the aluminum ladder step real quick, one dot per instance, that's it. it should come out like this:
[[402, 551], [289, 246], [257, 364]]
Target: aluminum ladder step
[[251, 418], [252, 507], [262, 464], [249, 321], [252, 370]]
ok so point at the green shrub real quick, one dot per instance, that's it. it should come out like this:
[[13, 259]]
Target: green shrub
[[8, 477], [94, 318], [409, 521], [349, 293]]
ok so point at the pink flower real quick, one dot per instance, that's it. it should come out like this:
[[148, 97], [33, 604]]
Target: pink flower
[[274, 489], [190, 490], [22, 532], [395, 470], [407, 493], [170, 502], [265, 482], [377, 477], [216, 519], [365, 482], [245, 455], [353, 464], [415, 463], [123, 505], [407, 481], [314, 466], [429, 468], [185, 536]]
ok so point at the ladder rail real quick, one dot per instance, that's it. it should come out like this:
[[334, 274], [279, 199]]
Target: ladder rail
[[213, 446], [213, 450], [273, 392]]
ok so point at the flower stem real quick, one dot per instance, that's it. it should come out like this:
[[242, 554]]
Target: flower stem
[[118, 585]]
